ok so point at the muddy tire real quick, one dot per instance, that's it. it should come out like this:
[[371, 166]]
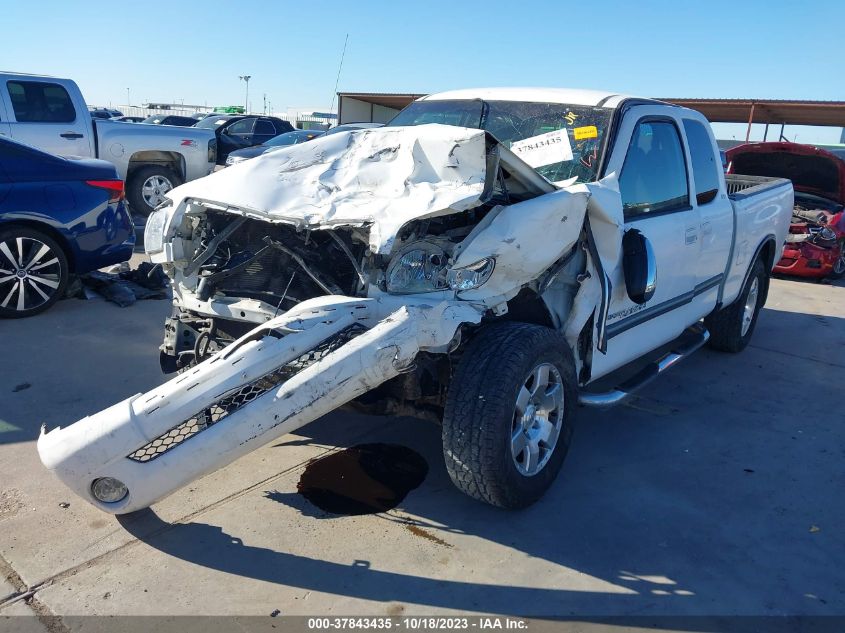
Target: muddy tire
[[731, 327], [146, 187], [509, 414], [33, 272]]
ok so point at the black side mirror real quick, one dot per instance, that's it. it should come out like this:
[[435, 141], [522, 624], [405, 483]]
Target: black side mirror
[[639, 266]]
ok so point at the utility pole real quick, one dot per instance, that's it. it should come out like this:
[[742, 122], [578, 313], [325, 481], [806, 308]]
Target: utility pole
[[246, 79], [265, 104]]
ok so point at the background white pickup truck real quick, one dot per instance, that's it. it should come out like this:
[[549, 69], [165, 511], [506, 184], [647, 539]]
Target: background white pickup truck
[[50, 114], [491, 259]]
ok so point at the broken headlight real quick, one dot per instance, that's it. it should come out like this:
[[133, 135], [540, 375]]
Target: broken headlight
[[420, 267], [472, 276]]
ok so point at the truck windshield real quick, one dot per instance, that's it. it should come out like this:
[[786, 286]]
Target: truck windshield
[[562, 142]]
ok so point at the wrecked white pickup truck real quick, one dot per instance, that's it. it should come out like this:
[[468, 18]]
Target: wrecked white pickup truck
[[488, 259]]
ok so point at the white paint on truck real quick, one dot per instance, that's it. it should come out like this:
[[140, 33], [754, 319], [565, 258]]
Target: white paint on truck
[[448, 239]]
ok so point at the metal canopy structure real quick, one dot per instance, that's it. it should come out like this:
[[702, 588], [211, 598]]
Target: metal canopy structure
[[396, 100], [769, 111], [772, 111]]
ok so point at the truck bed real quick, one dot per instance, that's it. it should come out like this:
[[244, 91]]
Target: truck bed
[[740, 186]]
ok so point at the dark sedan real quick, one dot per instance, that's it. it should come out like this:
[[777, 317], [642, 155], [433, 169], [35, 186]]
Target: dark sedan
[[57, 216], [288, 138], [237, 131], [170, 119]]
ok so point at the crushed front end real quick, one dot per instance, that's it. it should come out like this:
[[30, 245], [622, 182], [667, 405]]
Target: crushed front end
[[317, 276]]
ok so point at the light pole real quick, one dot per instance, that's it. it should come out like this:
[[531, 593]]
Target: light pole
[[246, 78], [127, 98]]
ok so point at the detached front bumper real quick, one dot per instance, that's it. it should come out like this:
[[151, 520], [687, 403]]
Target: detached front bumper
[[807, 260], [275, 379]]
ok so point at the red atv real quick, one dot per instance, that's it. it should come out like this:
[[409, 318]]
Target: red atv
[[815, 244]]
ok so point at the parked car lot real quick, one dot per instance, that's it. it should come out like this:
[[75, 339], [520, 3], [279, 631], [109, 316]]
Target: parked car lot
[[47, 113], [237, 131], [57, 217], [170, 119], [713, 492], [282, 140]]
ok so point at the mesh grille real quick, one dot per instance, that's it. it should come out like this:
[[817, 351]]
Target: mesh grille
[[242, 396]]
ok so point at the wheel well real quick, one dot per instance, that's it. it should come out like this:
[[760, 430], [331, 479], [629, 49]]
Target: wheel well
[[767, 252], [528, 307], [171, 160], [47, 230]]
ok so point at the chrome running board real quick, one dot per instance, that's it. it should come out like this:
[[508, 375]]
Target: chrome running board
[[611, 398]]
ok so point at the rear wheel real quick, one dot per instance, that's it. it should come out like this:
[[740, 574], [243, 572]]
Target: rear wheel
[[33, 272], [509, 413], [147, 187], [839, 265], [731, 327]]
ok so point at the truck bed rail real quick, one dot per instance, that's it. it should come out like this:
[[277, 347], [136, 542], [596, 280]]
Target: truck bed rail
[[740, 186]]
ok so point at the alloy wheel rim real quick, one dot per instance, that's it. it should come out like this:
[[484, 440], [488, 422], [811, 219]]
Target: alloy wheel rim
[[750, 305], [30, 273], [153, 190], [537, 419]]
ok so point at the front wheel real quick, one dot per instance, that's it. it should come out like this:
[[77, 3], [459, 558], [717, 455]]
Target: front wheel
[[33, 272], [731, 327], [509, 413]]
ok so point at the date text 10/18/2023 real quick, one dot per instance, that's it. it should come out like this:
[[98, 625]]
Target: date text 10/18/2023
[[418, 623]]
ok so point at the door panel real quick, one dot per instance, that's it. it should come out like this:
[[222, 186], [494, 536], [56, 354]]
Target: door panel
[[43, 115], [654, 185], [715, 211]]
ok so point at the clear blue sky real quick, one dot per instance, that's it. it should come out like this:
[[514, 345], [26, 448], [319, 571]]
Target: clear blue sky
[[194, 51]]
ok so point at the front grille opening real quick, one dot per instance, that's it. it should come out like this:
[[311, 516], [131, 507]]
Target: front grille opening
[[241, 397]]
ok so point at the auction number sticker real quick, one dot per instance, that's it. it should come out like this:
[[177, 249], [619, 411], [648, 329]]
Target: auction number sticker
[[545, 149], [582, 133]]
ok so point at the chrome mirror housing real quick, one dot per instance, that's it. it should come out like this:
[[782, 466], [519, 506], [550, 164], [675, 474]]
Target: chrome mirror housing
[[639, 266]]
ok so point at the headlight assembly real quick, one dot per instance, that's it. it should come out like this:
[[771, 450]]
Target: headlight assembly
[[472, 276], [154, 230], [419, 267]]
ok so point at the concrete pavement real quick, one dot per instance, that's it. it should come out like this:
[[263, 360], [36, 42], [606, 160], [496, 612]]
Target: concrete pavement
[[717, 492]]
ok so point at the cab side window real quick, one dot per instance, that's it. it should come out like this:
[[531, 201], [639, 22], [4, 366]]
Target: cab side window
[[39, 102], [654, 175], [704, 169]]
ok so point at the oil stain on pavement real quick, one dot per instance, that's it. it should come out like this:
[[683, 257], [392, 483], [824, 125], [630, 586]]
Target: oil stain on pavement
[[363, 479]]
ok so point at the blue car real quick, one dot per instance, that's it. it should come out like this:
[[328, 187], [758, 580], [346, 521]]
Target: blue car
[[57, 216]]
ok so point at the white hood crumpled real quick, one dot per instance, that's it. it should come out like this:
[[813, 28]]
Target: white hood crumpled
[[385, 177], [382, 177]]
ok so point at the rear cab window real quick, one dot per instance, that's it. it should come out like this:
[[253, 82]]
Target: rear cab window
[[654, 176], [705, 172], [40, 102]]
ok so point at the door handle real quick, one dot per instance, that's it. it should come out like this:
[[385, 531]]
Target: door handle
[[691, 236], [71, 135], [706, 229]]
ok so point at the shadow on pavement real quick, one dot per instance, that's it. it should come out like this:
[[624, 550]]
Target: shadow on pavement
[[699, 497]]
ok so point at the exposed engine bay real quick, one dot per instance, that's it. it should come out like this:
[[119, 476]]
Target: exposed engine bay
[[276, 267]]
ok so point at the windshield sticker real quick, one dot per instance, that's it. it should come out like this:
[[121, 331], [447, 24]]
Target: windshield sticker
[[545, 149], [582, 133]]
